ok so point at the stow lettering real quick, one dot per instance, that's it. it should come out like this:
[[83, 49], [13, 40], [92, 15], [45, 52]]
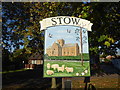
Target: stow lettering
[[65, 20]]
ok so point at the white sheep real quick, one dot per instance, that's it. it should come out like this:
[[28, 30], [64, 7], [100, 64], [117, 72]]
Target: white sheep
[[77, 74], [50, 72], [69, 69], [54, 66], [83, 73], [48, 65], [86, 71], [61, 68]]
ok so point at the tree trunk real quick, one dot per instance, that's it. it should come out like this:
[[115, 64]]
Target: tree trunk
[[95, 58]]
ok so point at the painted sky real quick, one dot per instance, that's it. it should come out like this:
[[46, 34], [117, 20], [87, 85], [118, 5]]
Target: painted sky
[[62, 32]]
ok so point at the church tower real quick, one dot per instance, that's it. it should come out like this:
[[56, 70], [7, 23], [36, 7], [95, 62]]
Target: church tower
[[61, 42]]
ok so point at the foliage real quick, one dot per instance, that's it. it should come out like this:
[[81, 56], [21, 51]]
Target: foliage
[[107, 60], [105, 28], [5, 57], [21, 29]]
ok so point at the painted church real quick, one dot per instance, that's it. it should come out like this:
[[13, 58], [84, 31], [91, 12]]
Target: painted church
[[59, 48]]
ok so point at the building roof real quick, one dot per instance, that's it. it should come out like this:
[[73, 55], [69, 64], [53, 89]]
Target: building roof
[[36, 56], [58, 44], [69, 45]]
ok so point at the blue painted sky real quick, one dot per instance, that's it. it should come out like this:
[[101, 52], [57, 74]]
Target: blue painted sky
[[60, 32]]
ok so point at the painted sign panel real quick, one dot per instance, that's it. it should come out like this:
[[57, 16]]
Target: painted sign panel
[[66, 51]]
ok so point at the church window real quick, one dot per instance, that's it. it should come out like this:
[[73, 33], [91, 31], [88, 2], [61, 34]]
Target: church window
[[68, 53], [52, 52]]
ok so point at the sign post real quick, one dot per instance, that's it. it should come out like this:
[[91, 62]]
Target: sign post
[[66, 83], [66, 46], [63, 86], [53, 83]]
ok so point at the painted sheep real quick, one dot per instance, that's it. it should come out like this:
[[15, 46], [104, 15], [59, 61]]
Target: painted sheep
[[69, 69], [82, 73], [48, 65], [86, 71], [77, 74], [54, 66], [50, 72], [61, 68]]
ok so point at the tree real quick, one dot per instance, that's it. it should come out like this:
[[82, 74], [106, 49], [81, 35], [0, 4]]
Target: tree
[[21, 24], [105, 35]]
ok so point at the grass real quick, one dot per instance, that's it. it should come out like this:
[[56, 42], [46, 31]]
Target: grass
[[98, 82], [85, 57], [78, 68], [11, 71]]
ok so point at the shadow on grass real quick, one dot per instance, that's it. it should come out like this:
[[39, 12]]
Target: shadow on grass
[[104, 69], [27, 80], [34, 78], [87, 85]]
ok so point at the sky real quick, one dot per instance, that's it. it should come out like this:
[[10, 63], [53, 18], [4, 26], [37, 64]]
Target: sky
[[60, 32]]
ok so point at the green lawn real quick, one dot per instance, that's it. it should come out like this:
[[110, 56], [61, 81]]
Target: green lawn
[[85, 57], [78, 68], [11, 71]]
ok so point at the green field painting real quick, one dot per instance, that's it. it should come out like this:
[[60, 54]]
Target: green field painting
[[64, 50], [78, 69], [85, 57]]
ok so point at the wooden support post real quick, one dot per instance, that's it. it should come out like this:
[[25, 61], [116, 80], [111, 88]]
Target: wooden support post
[[66, 84], [63, 83], [86, 81], [53, 83]]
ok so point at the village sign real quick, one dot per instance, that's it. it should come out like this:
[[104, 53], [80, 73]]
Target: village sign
[[66, 46]]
